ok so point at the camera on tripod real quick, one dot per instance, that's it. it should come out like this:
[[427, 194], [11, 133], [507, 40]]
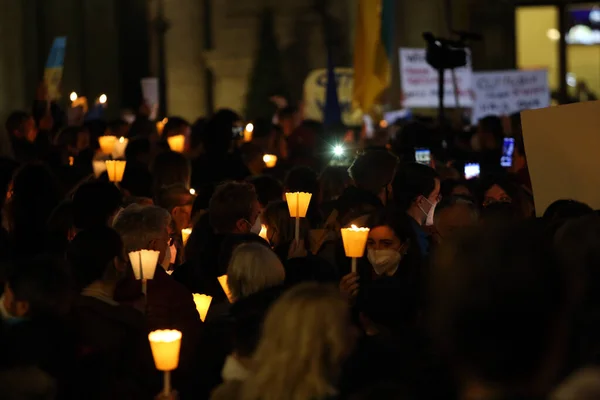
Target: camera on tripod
[[445, 54]]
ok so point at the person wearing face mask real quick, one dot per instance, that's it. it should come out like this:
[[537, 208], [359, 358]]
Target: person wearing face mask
[[416, 190], [168, 304]]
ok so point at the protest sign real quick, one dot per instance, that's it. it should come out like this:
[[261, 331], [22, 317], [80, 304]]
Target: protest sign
[[315, 87], [54, 67], [508, 92], [420, 81], [561, 144]]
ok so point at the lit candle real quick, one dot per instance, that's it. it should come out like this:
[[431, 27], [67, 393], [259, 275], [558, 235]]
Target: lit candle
[[165, 345], [102, 99], [355, 241], [223, 281], [107, 144], [115, 169], [298, 205], [176, 143], [270, 160], [73, 97], [185, 235], [263, 232], [143, 263], [248, 132], [202, 302], [119, 148], [160, 125], [71, 160]]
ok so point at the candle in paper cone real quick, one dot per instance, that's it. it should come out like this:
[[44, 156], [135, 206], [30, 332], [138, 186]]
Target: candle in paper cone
[[165, 345], [185, 235], [115, 169], [176, 143], [263, 232], [248, 133], [202, 304], [270, 160], [119, 148], [107, 144], [143, 263], [223, 281], [355, 241], [298, 203]]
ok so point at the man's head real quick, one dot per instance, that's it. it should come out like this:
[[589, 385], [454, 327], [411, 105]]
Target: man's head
[[36, 287], [21, 125], [490, 133], [268, 189], [234, 208], [301, 179], [144, 227], [374, 171], [416, 190], [453, 214], [96, 255], [95, 204], [178, 201]]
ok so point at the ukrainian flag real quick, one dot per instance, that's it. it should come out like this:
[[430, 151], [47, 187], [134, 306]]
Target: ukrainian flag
[[373, 51]]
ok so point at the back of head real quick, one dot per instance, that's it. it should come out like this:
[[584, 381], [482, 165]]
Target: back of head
[[231, 202], [268, 189], [137, 148], [253, 267], [139, 225], [170, 168], [175, 126], [373, 170], [91, 253], [333, 181], [219, 134], [492, 125], [301, 179], [567, 209], [15, 121], [304, 342], [499, 304], [411, 181], [172, 196], [43, 283], [95, 203], [500, 214]]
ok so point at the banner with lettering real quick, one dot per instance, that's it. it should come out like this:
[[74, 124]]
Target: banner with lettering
[[420, 82], [508, 92]]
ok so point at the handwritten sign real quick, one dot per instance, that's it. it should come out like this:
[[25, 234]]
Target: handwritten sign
[[508, 92], [315, 87], [420, 81]]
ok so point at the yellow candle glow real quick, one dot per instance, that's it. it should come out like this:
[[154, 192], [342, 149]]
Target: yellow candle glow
[[355, 241], [263, 232], [99, 167], [160, 125], [298, 203], [176, 143], [202, 304], [71, 160], [248, 133], [119, 148], [165, 345], [115, 169], [270, 160], [223, 281], [107, 144], [185, 235], [143, 263]]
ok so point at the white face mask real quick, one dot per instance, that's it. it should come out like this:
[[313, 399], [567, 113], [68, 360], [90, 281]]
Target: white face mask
[[256, 227], [166, 261], [430, 213], [384, 261]]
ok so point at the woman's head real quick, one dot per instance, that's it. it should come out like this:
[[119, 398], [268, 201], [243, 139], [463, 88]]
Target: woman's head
[[306, 337], [389, 240], [497, 190], [280, 226], [253, 267]]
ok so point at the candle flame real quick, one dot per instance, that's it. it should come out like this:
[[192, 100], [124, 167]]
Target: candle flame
[[73, 96], [103, 99], [121, 139]]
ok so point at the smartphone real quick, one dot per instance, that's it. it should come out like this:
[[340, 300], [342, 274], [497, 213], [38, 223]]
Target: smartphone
[[472, 170], [507, 152], [423, 156]]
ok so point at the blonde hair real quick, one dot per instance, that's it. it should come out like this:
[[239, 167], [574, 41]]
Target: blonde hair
[[304, 341], [253, 267]]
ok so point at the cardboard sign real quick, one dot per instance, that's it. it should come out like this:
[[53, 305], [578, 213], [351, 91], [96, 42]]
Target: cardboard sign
[[420, 82], [54, 67], [315, 87], [562, 145], [508, 92]]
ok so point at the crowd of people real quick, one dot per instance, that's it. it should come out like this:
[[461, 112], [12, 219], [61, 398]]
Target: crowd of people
[[462, 293]]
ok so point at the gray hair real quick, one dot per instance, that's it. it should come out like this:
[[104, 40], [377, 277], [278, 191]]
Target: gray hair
[[138, 225], [253, 267]]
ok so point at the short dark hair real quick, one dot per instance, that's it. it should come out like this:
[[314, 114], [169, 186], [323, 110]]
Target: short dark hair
[[498, 298], [15, 121], [43, 282], [231, 202], [90, 253], [373, 169], [137, 146], [302, 179], [94, 203], [567, 209], [174, 125], [411, 181], [267, 188], [492, 124]]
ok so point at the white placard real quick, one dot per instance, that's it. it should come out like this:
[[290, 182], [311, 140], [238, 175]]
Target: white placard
[[420, 81], [508, 92], [150, 95]]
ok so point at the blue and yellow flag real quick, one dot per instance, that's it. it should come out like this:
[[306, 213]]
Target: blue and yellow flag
[[373, 51], [54, 67]]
